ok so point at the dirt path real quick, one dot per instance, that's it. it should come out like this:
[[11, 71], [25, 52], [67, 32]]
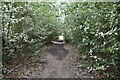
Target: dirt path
[[57, 67], [60, 64]]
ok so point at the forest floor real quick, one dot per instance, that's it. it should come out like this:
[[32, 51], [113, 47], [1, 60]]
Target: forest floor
[[59, 62]]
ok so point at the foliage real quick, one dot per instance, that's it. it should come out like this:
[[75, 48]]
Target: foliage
[[92, 27], [27, 27], [95, 31]]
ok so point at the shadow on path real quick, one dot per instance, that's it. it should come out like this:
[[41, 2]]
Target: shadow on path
[[59, 63], [58, 51]]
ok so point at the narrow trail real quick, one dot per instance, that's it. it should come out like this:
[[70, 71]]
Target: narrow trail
[[57, 68], [60, 64]]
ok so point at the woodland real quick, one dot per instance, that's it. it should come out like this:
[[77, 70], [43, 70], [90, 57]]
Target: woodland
[[93, 28]]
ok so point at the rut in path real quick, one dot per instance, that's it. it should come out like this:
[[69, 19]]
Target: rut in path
[[59, 63]]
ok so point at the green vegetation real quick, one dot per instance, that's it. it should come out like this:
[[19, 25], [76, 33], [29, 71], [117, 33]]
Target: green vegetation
[[95, 31], [92, 27], [26, 28]]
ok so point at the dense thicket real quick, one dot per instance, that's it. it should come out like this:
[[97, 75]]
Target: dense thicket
[[26, 28], [92, 27]]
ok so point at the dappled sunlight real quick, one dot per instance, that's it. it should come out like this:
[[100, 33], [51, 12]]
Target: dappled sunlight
[[60, 39]]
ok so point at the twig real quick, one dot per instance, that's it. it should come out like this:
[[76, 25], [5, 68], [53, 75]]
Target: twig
[[15, 68]]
